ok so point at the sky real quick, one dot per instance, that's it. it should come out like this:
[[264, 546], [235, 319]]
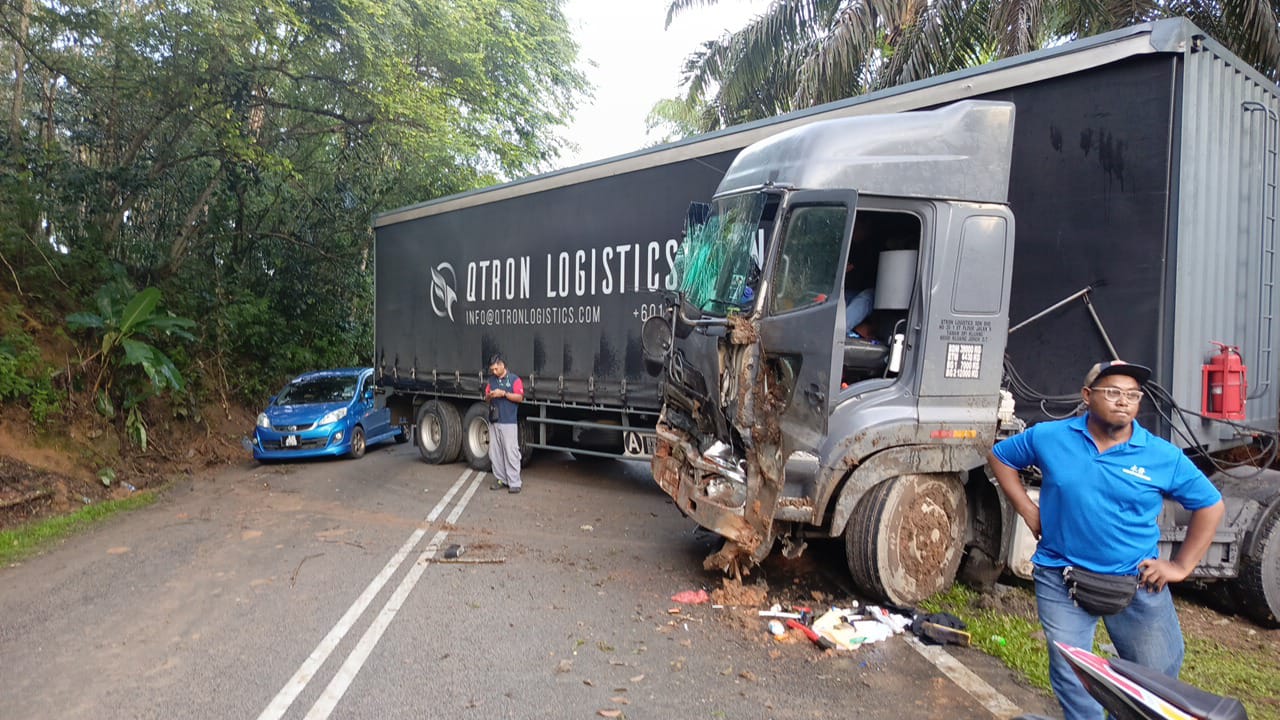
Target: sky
[[637, 63]]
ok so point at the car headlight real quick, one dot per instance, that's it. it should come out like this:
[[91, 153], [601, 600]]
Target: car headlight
[[333, 416], [263, 422]]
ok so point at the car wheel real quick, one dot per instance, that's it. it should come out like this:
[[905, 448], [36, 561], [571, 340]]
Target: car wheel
[[357, 443], [475, 436], [402, 437], [439, 431]]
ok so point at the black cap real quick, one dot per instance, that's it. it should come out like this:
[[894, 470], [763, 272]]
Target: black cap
[[1117, 367]]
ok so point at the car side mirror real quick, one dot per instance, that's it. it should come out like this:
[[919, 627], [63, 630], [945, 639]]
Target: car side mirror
[[368, 395]]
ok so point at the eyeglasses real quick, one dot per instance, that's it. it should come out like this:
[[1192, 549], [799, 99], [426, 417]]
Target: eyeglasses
[[1113, 394]]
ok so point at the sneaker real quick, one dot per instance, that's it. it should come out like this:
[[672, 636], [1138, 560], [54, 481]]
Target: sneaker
[[497, 485], [513, 490]]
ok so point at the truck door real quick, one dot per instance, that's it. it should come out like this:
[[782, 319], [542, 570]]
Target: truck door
[[798, 329]]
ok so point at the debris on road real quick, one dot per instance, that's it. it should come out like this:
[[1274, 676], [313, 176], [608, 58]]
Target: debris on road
[[691, 597], [940, 629]]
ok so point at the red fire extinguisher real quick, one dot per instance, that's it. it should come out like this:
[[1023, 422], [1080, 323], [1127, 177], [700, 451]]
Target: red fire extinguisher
[[1225, 384]]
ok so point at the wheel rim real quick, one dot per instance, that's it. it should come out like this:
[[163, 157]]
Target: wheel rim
[[921, 536], [478, 438], [430, 435], [357, 441]]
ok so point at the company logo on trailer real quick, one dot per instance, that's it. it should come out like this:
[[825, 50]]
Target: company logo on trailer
[[443, 295]]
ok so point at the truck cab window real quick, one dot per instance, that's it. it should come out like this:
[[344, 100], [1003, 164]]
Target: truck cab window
[[809, 258]]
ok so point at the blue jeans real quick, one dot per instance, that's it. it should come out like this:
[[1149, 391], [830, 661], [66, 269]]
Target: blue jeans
[[1146, 632]]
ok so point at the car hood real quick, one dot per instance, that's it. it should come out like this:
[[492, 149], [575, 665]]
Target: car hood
[[301, 414]]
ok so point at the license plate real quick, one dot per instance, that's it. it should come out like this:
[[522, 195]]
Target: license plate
[[638, 444], [291, 441]]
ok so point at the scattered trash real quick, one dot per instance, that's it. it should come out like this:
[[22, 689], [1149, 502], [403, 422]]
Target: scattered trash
[[128, 487], [780, 614], [453, 551], [691, 597], [814, 637], [673, 611], [998, 640], [834, 625], [609, 713], [940, 629], [776, 628], [896, 623], [586, 528], [564, 666]]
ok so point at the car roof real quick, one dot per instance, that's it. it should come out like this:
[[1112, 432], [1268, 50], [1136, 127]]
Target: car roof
[[335, 373]]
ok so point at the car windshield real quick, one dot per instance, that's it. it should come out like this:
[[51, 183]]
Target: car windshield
[[318, 390], [723, 252]]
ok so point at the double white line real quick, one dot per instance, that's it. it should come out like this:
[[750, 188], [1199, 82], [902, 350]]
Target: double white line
[[328, 699]]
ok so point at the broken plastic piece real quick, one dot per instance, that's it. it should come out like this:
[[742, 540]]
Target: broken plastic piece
[[691, 597], [453, 551]]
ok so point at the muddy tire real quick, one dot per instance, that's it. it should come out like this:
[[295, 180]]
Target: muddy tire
[[475, 437], [439, 431], [358, 446], [1259, 580], [906, 536]]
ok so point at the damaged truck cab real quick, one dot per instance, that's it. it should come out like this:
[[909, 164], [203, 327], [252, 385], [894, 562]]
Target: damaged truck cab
[[831, 364]]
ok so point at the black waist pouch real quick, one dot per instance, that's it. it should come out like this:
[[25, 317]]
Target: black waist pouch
[[1099, 594]]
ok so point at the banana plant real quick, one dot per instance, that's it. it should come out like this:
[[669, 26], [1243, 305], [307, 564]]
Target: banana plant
[[127, 331]]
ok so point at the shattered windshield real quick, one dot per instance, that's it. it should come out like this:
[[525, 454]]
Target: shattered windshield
[[720, 261], [318, 390]]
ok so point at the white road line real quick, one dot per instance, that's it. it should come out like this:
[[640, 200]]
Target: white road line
[[995, 703], [283, 699], [337, 687]]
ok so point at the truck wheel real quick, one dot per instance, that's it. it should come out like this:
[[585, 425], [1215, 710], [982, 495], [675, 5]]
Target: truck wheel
[[906, 536], [475, 436], [1259, 580], [439, 432], [527, 436]]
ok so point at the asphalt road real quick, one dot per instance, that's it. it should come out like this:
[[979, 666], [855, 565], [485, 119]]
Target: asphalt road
[[318, 590]]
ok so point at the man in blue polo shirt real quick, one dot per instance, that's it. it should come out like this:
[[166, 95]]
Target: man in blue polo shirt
[[1105, 478]]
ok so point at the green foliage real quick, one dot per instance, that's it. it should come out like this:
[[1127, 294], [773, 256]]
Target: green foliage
[[26, 540], [1248, 675], [126, 326], [24, 375], [231, 155], [802, 53]]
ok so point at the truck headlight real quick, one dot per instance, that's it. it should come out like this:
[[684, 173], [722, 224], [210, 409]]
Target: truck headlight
[[333, 416]]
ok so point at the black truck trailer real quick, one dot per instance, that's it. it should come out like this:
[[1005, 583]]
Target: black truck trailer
[[1143, 179]]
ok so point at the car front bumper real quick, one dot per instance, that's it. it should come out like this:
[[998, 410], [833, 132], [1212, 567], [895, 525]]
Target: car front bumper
[[323, 441]]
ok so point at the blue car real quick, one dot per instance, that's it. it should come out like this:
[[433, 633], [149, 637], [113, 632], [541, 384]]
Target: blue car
[[325, 413]]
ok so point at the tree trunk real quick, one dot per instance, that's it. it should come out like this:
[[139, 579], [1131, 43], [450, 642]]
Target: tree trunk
[[19, 73]]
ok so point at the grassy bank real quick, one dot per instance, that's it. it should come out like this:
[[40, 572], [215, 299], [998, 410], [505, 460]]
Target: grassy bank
[[1227, 656], [24, 540]]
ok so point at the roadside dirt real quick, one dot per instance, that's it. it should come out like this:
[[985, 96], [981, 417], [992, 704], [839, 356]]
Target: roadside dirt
[[51, 473]]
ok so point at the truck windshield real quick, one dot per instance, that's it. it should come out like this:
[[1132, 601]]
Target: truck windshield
[[720, 260]]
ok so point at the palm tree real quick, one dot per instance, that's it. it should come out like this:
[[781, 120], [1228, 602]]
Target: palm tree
[[801, 53]]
